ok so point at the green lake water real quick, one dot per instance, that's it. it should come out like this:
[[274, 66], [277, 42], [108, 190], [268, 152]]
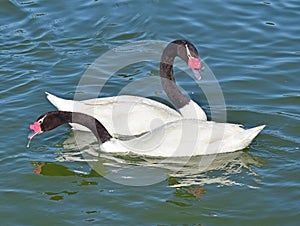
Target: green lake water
[[252, 47]]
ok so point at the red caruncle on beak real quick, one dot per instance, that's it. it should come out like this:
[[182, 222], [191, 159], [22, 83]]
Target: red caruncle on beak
[[194, 63], [36, 127]]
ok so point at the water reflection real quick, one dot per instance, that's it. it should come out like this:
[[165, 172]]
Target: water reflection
[[55, 169], [135, 170]]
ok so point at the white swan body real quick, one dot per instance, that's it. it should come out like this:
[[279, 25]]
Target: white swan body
[[186, 138]]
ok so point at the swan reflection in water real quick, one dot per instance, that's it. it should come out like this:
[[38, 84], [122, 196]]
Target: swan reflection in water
[[136, 170]]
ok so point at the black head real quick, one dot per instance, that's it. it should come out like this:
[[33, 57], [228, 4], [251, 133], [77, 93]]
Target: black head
[[186, 49], [48, 121], [53, 119]]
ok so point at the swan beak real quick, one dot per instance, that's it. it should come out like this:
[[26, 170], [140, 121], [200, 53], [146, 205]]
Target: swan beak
[[197, 73], [36, 129]]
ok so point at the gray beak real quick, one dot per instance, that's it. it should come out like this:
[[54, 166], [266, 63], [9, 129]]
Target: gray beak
[[197, 73]]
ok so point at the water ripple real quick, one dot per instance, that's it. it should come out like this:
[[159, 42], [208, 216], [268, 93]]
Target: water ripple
[[252, 48]]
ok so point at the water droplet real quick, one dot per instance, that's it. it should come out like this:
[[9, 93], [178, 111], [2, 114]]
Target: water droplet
[[28, 143]]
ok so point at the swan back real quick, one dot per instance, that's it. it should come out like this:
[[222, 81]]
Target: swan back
[[121, 115], [188, 138]]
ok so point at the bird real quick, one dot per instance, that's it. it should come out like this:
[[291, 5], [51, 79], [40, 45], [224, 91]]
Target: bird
[[180, 138], [143, 114]]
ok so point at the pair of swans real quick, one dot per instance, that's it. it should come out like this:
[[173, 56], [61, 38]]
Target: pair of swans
[[183, 133]]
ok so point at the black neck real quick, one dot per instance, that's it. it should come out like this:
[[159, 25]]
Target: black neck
[[176, 48], [62, 117]]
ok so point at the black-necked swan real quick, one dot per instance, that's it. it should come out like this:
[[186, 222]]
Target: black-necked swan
[[186, 137], [140, 113]]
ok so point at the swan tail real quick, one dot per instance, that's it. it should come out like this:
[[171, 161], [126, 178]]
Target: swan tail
[[252, 133], [60, 103]]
